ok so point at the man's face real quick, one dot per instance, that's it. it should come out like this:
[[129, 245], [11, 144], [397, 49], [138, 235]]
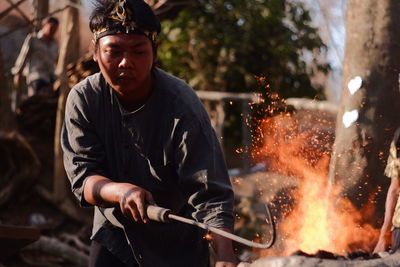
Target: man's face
[[49, 29], [126, 60]]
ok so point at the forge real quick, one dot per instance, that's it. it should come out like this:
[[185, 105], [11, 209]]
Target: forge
[[316, 224]]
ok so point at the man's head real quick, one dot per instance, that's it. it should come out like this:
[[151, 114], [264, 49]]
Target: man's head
[[125, 35], [111, 17], [49, 27]]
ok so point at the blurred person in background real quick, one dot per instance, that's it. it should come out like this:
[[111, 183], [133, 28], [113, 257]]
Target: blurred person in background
[[392, 206], [37, 59]]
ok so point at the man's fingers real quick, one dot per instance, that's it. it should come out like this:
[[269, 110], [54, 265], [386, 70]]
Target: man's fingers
[[133, 204], [128, 214], [135, 213], [142, 212], [149, 198], [131, 212], [129, 206]]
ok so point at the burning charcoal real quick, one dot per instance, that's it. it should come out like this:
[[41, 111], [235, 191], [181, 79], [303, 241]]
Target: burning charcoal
[[322, 254], [301, 253], [375, 256], [358, 254]]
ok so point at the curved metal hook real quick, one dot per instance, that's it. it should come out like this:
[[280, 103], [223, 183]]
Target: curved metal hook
[[160, 214], [232, 236]]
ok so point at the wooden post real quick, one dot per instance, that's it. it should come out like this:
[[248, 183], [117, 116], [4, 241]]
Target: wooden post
[[27, 20], [69, 53], [10, 8], [7, 120], [41, 11], [219, 124], [246, 138]]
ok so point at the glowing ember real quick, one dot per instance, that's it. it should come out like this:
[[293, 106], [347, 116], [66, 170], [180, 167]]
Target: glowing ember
[[320, 219]]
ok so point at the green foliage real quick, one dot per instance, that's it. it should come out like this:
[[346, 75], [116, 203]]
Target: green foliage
[[225, 45]]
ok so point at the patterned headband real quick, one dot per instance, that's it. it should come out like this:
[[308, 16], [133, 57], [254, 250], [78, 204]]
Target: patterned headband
[[123, 16]]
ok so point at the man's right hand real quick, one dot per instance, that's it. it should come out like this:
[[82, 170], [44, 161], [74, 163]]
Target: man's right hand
[[133, 200]]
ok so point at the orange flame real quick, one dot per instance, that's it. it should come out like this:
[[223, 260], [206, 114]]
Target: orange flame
[[321, 219]]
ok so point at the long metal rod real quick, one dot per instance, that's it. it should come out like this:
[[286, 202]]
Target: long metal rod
[[164, 215], [229, 235]]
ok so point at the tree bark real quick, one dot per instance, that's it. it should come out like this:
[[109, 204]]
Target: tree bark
[[362, 143], [69, 53]]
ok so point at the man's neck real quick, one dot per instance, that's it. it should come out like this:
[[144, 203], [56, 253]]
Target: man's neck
[[45, 37], [138, 98]]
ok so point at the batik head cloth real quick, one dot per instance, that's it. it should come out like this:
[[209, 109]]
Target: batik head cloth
[[125, 18]]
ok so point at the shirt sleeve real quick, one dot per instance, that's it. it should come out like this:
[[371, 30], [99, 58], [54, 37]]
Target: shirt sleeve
[[23, 55], [392, 169], [83, 152], [203, 175]]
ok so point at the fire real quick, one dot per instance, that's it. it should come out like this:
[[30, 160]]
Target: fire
[[314, 220], [320, 219]]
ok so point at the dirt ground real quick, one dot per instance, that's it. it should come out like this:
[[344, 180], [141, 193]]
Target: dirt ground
[[28, 208], [32, 211]]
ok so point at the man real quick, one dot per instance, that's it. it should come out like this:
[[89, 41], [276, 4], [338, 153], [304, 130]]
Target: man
[[392, 206], [37, 59], [135, 135]]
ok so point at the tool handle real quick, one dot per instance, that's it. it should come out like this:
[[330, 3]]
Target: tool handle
[[158, 214]]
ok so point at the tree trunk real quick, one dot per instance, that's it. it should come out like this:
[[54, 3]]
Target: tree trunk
[[69, 53], [368, 113]]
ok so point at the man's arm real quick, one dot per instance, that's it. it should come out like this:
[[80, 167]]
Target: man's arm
[[206, 183], [103, 192], [84, 161], [391, 200], [21, 60]]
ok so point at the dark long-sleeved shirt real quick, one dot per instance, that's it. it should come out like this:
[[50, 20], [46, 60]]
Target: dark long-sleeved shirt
[[168, 147]]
